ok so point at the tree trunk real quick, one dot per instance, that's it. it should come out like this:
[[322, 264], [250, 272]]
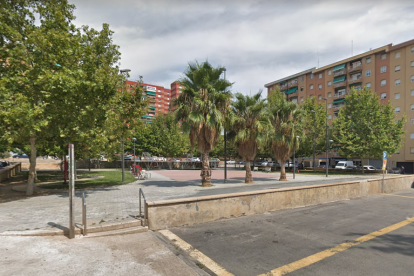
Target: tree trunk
[[249, 176], [282, 171], [32, 169], [205, 171]]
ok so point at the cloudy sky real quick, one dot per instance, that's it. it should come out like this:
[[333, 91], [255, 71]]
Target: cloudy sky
[[257, 41]]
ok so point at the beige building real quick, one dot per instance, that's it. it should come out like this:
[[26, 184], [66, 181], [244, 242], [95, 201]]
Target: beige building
[[388, 71]]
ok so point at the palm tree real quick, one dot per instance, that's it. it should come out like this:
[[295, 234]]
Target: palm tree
[[201, 108], [286, 119], [248, 122]]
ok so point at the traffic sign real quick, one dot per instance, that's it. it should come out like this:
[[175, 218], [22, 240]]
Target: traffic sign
[[384, 155]]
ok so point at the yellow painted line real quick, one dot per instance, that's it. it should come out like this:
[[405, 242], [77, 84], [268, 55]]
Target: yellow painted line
[[332, 251], [399, 195], [200, 257]]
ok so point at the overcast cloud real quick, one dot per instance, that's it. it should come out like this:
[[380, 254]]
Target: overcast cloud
[[257, 41]]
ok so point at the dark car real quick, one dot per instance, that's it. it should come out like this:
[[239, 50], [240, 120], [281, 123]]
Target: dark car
[[4, 163]]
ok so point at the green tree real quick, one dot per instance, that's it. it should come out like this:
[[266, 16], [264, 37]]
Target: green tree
[[248, 123], [56, 78], [314, 122], [201, 107], [286, 119], [365, 128]]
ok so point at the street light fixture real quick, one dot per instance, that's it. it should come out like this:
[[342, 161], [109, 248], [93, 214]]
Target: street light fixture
[[135, 158], [326, 107], [294, 163], [314, 140], [330, 141], [122, 71]]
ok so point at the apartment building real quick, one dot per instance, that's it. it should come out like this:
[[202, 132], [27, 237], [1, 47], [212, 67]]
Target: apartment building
[[388, 71], [175, 92], [159, 99]]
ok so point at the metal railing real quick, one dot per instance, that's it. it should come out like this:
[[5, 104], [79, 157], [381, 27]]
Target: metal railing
[[145, 217], [339, 72], [339, 84]]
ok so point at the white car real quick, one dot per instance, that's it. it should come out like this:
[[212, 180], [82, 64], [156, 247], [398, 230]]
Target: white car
[[369, 168], [231, 162]]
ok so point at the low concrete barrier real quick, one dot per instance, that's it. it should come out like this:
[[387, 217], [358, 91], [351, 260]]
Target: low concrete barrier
[[9, 171], [195, 210]]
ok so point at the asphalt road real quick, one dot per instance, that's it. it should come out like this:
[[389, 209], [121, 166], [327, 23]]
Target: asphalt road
[[339, 238]]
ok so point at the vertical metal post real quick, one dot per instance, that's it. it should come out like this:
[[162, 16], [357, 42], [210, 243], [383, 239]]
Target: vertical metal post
[[294, 164], [71, 191], [314, 141], [140, 194], [382, 185], [85, 230], [225, 145], [123, 159]]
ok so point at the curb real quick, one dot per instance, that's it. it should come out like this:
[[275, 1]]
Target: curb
[[135, 224]]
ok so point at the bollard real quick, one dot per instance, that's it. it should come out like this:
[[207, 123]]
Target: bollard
[[85, 231]]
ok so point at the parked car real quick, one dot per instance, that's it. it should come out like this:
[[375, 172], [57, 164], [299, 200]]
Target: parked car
[[271, 164], [175, 159], [192, 159], [231, 162], [242, 162], [4, 163], [345, 165], [262, 163], [214, 162], [369, 168], [395, 170]]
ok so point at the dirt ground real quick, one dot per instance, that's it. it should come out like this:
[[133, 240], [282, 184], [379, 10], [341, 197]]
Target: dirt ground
[[15, 188]]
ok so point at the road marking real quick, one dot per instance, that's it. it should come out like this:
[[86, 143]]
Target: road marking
[[332, 251], [200, 257], [399, 195]]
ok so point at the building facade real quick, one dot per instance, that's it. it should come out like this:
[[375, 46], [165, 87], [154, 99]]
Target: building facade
[[388, 71], [159, 99]]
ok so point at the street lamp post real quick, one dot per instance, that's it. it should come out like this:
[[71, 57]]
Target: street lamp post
[[314, 140], [326, 107], [135, 158], [122, 71], [225, 144], [294, 163]]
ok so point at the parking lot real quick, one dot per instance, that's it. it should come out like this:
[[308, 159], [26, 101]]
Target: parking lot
[[366, 236]]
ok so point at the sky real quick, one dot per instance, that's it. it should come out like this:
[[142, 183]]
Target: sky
[[257, 41]]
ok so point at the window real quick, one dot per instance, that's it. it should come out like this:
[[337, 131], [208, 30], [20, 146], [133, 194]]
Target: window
[[311, 86], [320, 97], [368, 73], [159, 105], [383, 69], [320, 75], [329, 83], [383, 56], [411, 135], [397, 109], [412, 78], [412, 107], [301, 88], [412, 121], [397, 54], [159, 101], [397, 96], [301, 78], [412, 49], [397, 68], [412, 63], [383, 82], [295, 100], [412, 92], [311, 76], [320, 86], [329, 117], [383, 95], [368, 60], [329, 105], [368, 85], [329, 94], [301, 99], [329, 72], [411, 150], [397, 82]]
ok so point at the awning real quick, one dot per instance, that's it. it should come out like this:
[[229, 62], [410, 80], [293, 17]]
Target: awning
[[151, 93], [338, 101], [282, 82], [292, 90], [357, 83], [152, 107], [339, 79], [339, 67], [147, 117]]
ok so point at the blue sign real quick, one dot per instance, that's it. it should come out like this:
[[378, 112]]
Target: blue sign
[[384, 155]]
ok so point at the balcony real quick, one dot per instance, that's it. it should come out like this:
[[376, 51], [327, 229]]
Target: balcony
[[340, 94], [355, 66], [339, 84], [339, 72], [293, 83], [283, 86], [355, 79], [337, 107]]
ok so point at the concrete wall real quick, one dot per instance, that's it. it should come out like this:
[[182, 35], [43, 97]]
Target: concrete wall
[[189, 211], [9, 171]]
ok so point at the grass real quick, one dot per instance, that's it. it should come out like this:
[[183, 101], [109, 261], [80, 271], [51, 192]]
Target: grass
[[86, 179]]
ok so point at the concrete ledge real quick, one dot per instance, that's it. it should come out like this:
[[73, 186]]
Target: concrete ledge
[[195, 210], [91, 230]]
